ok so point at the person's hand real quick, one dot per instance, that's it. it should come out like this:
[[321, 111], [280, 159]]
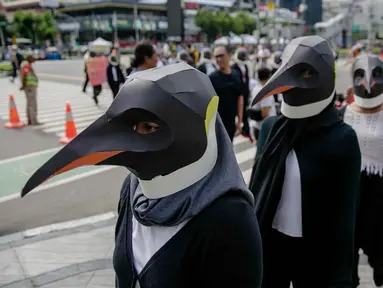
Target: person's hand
[[238, 130]]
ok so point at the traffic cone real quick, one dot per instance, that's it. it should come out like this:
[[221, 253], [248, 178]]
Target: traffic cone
[[14, 120], [70, 127]]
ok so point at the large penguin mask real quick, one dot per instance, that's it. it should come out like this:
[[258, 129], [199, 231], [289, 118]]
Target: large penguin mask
[[181, 101], [306, 78], [367, 72]]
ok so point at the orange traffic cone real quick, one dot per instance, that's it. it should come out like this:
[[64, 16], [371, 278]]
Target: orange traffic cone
[[70, 127], [14, 120]]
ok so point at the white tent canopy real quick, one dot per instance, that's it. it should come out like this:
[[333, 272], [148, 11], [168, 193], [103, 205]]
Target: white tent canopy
[[249, 39], [100, 46], [235, 40], [222, 41], [100, 42]]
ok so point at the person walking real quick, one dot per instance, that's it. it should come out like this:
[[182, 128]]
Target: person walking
[[365, 115], [114, 75], [29, 83], [185, 215], [306, 175], [228, 85], [241, 67], [86, 57], [97, 89]]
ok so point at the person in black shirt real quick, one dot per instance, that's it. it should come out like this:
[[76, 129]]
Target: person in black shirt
[[241, 67], [114, 75], [185, 215], [228, 85]]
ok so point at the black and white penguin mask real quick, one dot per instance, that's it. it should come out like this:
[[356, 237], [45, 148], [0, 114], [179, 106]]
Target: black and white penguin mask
[[367, 72], [181, 101], [306, 78]]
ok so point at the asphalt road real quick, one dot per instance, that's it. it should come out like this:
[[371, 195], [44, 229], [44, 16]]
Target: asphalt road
[[84, 197]]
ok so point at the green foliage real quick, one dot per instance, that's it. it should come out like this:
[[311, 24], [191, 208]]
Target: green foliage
[[5, 67], [220, 22], [35, 26]]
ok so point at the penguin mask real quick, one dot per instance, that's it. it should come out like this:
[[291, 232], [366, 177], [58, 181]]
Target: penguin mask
[[306, 78], [161, 126], [367, 72]]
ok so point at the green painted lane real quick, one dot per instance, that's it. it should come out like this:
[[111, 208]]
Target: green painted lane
[[15, 172]]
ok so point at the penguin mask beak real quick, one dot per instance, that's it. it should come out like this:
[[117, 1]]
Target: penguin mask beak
[[279, 83], [105, 142]]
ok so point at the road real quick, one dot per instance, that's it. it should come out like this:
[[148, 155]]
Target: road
[[83, 192]]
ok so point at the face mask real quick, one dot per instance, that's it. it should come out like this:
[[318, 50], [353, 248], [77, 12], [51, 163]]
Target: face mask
[[368, 81], [180, 102], [306, 78]]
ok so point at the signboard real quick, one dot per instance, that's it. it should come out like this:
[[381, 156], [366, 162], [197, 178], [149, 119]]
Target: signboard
[[50, 3], [96, 69], [175, 20], [270, 5]]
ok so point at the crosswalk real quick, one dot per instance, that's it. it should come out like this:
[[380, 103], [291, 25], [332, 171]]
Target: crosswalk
[[52, 98]]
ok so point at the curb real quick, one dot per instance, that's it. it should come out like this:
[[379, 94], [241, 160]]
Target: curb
[[56, 227]]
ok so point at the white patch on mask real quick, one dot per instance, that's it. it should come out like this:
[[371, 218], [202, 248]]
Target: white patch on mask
[[369, 102], [305, 111]]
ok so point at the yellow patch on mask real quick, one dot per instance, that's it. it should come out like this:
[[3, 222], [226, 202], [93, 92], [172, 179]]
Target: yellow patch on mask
[[210, 111]]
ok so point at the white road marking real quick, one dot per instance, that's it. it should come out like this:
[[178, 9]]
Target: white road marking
[[69, 224], [30, 155], [67, 180]]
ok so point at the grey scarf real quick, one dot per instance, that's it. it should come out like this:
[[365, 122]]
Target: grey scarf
[[189, 202]]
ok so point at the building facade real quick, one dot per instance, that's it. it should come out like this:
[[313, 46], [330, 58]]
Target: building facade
[[314, 11]]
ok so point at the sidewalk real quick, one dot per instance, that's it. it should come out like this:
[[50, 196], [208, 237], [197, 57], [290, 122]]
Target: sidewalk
[[72, 254]]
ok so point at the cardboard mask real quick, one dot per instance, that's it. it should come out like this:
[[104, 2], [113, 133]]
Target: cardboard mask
[[367, 71], [181, 101], [306, 78]]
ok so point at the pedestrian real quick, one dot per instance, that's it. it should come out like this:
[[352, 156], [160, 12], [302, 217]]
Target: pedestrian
[[365, 115], [207, 64], [145, 57], [185, 217], [29, 83], [114, 75], [86, 57], [228, 85], [241, 67], [306, 175], [16, 60], [97, 89]]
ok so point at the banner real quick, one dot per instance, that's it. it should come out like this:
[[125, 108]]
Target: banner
[[96, 69]]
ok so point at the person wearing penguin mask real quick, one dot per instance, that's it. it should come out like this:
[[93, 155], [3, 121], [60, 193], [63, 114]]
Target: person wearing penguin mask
[[306, 215], [365, 115], [186, 217]]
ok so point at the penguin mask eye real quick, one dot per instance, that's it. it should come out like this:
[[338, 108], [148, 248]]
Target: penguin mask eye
[[146, 127], [307, 73], [358, 77]]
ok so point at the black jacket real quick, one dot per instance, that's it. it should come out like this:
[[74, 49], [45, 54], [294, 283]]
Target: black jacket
[[330, 169], [120, 75], [220, 247], [245, 84]]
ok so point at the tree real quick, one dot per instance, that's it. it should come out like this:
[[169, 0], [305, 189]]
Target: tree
[[34, 26], [243, 23], [205, 20], [220, 22]]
